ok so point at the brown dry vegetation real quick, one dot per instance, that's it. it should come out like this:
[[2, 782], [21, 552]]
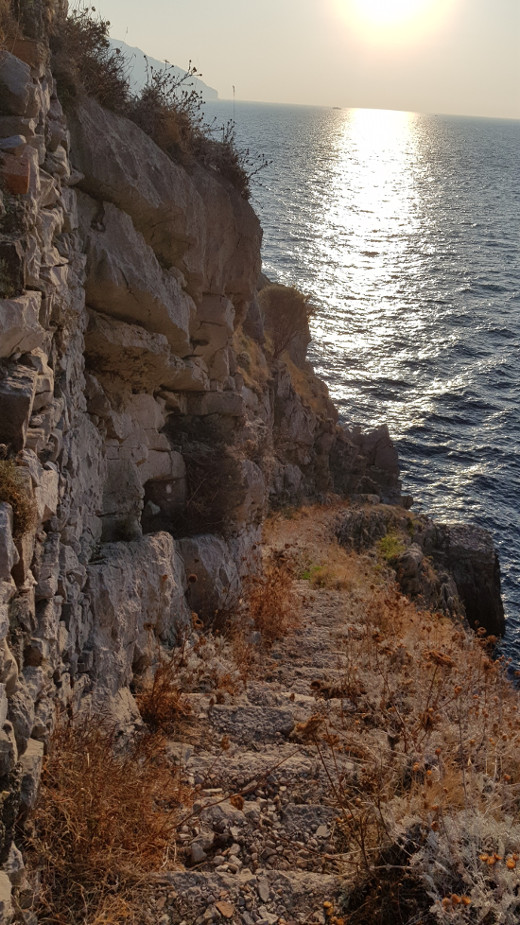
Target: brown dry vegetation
[[287, 312], [9, 28], [419, 739], [13, 491], [106, 819], [423, 758], [271, 600], [168, 108]]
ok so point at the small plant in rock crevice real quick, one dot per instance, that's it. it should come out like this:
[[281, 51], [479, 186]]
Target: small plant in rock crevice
[[13, 490], [391, 546], [287, 314]]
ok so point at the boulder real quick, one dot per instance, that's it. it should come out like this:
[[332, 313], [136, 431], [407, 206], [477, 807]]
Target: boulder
[[211, 575], [469, 555], [193, 221], [139, 357], [136, 594], [17, 89], [126, 281]]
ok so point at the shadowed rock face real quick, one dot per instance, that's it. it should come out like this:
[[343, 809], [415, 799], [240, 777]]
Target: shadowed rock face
[[453, 568], [468, 554]]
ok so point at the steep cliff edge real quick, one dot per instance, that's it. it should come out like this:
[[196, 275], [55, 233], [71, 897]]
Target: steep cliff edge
[[144, 420]]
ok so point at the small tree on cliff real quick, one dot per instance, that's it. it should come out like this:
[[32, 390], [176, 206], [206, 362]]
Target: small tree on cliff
[[287, 313]]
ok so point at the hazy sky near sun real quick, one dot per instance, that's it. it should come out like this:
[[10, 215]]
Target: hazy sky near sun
[[450, 56]]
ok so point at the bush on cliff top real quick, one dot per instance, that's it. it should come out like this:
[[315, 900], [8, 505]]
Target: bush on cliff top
[[168, 109]]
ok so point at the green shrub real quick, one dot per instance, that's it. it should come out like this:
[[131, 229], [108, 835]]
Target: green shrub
[[14, 492], [391, 546]]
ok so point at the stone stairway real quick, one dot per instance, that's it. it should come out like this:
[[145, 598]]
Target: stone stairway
[[262, 844]]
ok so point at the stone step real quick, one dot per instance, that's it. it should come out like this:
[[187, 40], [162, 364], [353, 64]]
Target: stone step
[[264, 898], [249, 723]]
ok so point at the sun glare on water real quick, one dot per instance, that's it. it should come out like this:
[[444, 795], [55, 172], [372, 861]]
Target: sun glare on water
[[393, 20]]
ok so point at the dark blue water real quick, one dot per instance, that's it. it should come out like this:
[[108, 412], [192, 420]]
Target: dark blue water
[[405, 230]]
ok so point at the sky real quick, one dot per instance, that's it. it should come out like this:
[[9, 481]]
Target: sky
[[445, 56]]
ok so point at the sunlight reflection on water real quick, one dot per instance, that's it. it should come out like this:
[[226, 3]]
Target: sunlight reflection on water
[[404, 230]]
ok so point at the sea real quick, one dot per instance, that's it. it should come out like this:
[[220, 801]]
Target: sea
[[404, 230]]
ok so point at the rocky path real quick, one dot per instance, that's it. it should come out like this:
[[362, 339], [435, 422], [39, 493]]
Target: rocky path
[[266, 847]]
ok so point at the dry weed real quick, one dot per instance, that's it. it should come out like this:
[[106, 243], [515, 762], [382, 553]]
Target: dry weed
[[427, 738], [161, 703], [271, 600], [106, 817], [421, 748]]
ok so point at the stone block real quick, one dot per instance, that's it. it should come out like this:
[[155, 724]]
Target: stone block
[[31, 763], [126, 281], [20, 329], [8, 750], [140, 357], [136, 592], [48, 568], [47, 494], [17, 392], [8, 552], [14, 867], [16, 173], [33, 53], [6, 904], [216, 585], [21, 715], [17, 89], [228, 404]]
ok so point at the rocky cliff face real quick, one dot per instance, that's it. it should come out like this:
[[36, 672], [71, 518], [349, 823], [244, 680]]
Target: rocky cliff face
[[147, 428]]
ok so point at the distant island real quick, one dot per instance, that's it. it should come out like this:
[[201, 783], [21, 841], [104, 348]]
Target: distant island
[[139, 62]]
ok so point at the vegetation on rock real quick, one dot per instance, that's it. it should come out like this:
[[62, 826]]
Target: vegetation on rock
[[168, 108], [13, 490], [287, 313]]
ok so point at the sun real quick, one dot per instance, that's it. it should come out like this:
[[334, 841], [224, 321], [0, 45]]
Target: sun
[[393, 20], [391, 12]]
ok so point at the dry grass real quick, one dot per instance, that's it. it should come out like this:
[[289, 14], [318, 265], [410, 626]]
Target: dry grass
[[420, 741], [423, 760], [13, 490], [251, 361], [312, 391], [106, 818]]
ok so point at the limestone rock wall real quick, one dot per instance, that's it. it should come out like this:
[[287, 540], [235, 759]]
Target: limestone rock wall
[[145, 426]]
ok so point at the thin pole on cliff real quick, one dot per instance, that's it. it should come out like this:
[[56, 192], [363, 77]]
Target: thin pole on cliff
[[234, 103]]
